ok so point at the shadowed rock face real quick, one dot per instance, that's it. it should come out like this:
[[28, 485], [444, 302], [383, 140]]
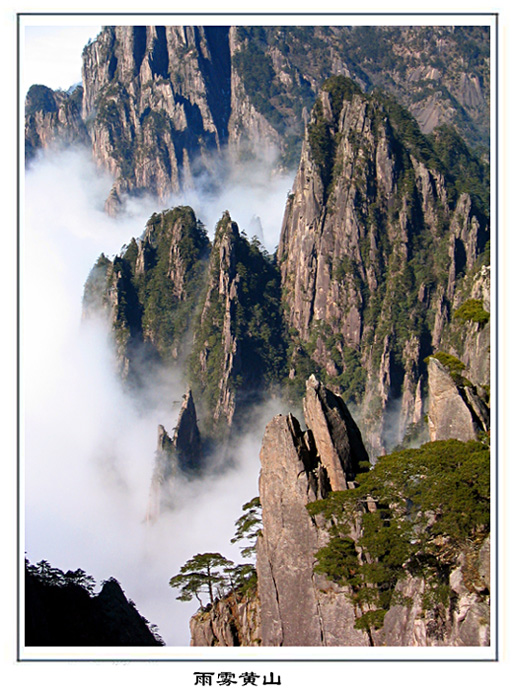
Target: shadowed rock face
[[336, 435], [183, 452], [69, 616], [186, 439]]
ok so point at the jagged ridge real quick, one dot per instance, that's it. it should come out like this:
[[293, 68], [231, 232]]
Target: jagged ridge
[[174, 95]]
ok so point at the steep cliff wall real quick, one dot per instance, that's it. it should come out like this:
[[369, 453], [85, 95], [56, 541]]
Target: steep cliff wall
[[150, 292], [384, 244], [152, 97], [53, 118], [298, 607], [388, 561], [156, 102], [212, 310], [376, 240]]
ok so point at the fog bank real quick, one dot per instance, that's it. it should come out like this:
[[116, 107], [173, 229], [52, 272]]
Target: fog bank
[[88, 446]]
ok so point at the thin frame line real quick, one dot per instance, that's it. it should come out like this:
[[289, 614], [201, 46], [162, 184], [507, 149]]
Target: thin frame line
[[258, 14]]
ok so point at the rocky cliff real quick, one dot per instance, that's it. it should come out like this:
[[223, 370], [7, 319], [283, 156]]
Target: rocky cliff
[[182, 453], [299, 608], [384, 561], [378, 238], [212, 310], [53, 118], [383, 250], [156, 102], [232, 622], [149, 293], [456, 407]]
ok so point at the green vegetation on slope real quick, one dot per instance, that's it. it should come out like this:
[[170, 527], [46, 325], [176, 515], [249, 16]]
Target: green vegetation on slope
[[251, 314], [416, 510], [403, 257], [168, 291], [472, 310]]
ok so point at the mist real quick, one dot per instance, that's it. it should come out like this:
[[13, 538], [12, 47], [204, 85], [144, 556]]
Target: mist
[[87, 444]]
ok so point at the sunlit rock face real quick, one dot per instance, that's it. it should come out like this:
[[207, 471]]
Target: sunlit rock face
[[53, 118], [300, 607], [377, 250], [295, 605], [157, 102], [455, 409], [232, 622]]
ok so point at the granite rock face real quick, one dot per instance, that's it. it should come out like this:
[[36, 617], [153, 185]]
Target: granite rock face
[[231, 622], [466, 623], [157, 102], [336, 435], [220, 308], [53, 119], [298, 606], [173, 299], [455, 409], [149, 292], [186, 438], [374, 250]]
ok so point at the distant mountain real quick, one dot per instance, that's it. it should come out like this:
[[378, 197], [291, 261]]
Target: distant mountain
[[175, 95], [385, 238]]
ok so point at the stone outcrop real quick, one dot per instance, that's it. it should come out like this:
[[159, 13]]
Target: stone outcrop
[[219, 310], [298, 606], [455, 408], [150, 291], [165, 468], [186, 438], [181, 453], [174, 298], [230, 622], [336, 435], [53, 119]]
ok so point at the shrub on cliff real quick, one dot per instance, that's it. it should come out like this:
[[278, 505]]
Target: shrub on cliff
[[414, 511]]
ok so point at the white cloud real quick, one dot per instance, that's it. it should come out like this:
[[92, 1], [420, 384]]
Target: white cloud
[[88, 445]]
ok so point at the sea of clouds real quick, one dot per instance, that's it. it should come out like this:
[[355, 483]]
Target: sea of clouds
[[87, 444]]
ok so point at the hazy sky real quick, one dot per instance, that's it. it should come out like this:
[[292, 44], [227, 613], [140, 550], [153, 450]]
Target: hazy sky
[[52, 55]]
